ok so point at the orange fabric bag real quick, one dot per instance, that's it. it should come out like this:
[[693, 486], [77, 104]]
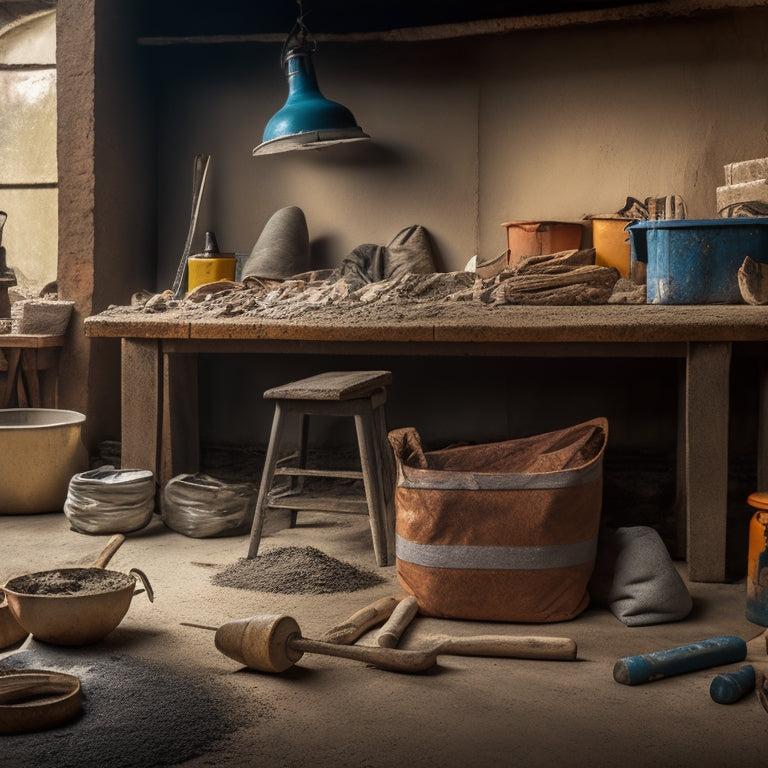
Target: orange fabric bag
[[501, 531]]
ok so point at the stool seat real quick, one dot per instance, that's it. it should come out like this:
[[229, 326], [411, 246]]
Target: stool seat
[[334, 385], [357, 394]]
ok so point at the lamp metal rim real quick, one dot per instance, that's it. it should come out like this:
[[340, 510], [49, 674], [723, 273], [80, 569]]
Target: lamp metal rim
[[311, 140]]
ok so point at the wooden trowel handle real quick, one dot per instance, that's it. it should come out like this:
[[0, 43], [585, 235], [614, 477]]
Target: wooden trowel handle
[[361, 621], [554, 648], [390, 659], [106, 554], [389, 635]]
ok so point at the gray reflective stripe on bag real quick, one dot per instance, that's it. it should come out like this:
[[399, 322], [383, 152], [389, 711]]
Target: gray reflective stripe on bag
[[409, 477], [479, 557]]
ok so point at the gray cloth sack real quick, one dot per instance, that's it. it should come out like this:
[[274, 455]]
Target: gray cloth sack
[[282, 249], [409, 252], [635, 577]]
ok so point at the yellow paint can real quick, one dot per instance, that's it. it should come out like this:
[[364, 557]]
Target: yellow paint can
[[210, 270]]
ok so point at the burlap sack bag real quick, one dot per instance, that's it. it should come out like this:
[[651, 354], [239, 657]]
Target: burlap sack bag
[[502, 531]]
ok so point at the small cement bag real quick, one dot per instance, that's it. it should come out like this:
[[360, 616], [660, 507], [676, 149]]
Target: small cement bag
[[635, 577], [108, 500], [503, 531], [200, 506]]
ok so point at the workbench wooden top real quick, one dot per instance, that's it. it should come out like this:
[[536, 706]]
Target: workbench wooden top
[[617, 323], [30, 340]]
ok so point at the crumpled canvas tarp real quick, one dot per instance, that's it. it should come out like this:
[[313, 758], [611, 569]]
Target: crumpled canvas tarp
[[500, 531], [409, 252]]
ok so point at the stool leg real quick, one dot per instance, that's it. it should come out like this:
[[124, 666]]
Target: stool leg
[[371, 460], [297, 483], [388, 476], [266, 481]]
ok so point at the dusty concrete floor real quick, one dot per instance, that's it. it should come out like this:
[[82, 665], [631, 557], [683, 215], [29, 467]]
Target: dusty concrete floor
[[335, 712]]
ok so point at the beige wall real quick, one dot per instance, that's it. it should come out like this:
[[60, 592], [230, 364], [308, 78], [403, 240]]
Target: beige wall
[[468, 134]]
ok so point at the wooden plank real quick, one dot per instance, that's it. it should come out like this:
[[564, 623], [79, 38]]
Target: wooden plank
[[762, 426], [320, 502], [13, 357], [341, 474], [332, 386], [180, 437], [29, 379], [619, 324], [140, 401], [483, 26], [30, 340], [707, 401]]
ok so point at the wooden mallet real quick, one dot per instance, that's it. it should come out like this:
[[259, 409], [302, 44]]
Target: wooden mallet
[[273, 643]]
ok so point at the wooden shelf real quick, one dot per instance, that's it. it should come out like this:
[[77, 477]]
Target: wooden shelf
[[638, 11]]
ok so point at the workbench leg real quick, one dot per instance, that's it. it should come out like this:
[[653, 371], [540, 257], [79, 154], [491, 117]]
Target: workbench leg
[[762, 427], [681, 469], [141, 401], [180, 435], [707, 404]]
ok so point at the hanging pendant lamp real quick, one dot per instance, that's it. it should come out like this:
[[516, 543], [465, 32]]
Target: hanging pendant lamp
[[307, 120]]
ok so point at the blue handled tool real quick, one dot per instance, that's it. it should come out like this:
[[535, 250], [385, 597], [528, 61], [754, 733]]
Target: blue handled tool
[[644, 668], [729, 687]]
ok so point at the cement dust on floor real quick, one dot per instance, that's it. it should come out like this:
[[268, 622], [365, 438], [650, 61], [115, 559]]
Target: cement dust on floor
[[173, 698]]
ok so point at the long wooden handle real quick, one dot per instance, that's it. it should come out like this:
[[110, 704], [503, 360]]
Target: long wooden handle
[[360, 621], [389, 635], [106, 554], [526, 647], [390, 659]]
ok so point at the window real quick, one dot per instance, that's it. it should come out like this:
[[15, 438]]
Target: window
[[28, 174]]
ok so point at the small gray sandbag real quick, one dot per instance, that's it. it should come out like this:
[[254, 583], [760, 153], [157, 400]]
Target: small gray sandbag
[[282, 249], [635, 577]]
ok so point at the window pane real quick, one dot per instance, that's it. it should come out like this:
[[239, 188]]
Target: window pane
[[30, 235], [28, 126]]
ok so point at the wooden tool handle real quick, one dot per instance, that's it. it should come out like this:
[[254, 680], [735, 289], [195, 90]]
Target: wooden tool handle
[[390, 659], [106, 554], [389, 635], [527, 647], [361, 621], [644, 668]]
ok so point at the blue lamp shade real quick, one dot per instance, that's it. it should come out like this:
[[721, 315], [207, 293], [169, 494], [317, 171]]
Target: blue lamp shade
[[307, 120]]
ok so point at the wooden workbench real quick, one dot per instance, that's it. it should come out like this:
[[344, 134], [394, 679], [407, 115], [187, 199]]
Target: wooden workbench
[[159, 390], [32, 374]]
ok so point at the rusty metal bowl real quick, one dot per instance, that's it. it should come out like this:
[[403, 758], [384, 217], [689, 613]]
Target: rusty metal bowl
[[77, 617]]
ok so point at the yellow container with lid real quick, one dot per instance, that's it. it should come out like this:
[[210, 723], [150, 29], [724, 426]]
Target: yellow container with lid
[[611, 243], [210, 266], [204, 270]]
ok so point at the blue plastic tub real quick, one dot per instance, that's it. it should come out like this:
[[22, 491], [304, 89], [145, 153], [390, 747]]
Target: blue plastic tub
[[696, 261]]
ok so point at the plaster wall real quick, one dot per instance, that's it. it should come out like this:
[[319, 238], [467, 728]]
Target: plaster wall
[[467, 134], [550, 124]]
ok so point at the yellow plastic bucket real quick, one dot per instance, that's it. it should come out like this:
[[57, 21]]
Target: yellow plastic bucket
[[611, 243]]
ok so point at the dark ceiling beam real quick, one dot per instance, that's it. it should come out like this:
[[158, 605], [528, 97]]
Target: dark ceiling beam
[[494, 26]]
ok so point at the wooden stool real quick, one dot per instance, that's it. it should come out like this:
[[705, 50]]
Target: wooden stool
[[361, 394]]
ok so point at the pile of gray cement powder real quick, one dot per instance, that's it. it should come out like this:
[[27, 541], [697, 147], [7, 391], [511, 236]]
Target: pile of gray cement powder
[[136, 713], [295, 571]]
